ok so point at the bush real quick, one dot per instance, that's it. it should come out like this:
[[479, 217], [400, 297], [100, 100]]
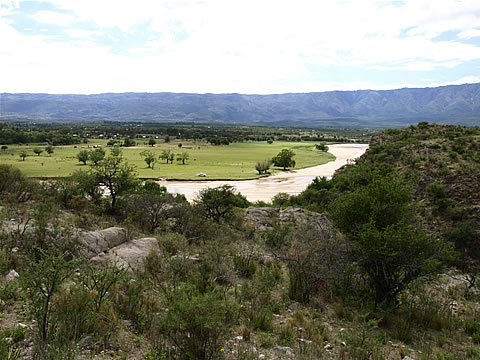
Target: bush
[[261, 320], [278, 236], [73, 316], [280, 200], [471, 326], [218, 203], [363, 343], [43, 279], [244, 265], [196, 323], [377, 220], [14, 186], [133, 302], [436, 191]]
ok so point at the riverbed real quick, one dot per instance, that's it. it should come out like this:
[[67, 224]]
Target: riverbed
[[291, 182]]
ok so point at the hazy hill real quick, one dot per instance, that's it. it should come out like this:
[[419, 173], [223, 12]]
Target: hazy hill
[[459, 104]]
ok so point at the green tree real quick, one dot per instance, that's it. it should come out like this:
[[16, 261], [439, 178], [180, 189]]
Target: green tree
[[37, 151], [219, 202], [184, 156], [151, 142], [49, 149], [87, 184], [149, 158], [465, 234], [14, 185], [167, 138], [284, 159], [116, 174], [321, 147], [150, 205], [23, 155], [82, 156], [127, 142], [262, 166], [96, 155], [166, 155], [377, 219]]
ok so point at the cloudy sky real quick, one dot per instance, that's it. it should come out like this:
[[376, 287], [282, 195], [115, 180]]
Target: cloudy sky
[[244, 46]]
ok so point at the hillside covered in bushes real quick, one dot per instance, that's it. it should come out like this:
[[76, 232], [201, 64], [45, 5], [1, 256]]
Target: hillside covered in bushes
[[380, 262]]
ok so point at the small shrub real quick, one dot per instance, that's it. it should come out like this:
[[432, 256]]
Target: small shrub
[[133, 303], [436, 191], [244, 265], [278, 236], [472, 353], [286, 336], [9, 292], [196, 323], [261, 320], [266, 341], [268, 276], [471, 326], [172, 242], [9, 338], [73, 315], [280, 200], [363, 344]]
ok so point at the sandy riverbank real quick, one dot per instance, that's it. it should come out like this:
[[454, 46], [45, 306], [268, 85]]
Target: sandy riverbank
[[291, 182]]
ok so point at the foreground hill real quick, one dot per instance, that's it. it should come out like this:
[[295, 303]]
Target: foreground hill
[[458, 104], [150, 276]]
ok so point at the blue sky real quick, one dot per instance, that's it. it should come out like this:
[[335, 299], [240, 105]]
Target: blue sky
[[241, 46]]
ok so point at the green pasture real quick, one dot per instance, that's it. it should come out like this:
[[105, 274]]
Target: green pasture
[[234, 161]]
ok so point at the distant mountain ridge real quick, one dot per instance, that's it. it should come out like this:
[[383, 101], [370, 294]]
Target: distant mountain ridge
[[458, 104]]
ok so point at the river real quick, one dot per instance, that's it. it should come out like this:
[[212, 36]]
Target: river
[[291, 182]]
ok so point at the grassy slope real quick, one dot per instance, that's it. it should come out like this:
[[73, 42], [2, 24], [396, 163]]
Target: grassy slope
[[235, 161]]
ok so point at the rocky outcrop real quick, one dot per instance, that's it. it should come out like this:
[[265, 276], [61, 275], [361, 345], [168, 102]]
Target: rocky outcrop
[[110, 246], [12, 275], [93, 243], [265, 218], [130, 255]]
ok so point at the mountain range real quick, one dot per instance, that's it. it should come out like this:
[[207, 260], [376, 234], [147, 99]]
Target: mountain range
[[455, 104]]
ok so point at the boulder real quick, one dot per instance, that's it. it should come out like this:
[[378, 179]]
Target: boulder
[[93, 243], [12, 274], [265, 218], [129, 255], [288, 351]]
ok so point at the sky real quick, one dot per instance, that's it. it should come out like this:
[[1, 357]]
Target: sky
[[236, 46]]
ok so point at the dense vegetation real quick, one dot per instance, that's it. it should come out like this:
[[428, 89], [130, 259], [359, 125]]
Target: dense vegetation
[[65, 134], [394, 275]]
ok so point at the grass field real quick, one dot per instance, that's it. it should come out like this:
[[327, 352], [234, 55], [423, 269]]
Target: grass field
[[234, 161]]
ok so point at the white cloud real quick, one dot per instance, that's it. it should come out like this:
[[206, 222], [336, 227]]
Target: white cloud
[[468, 34], [238, 46], [53, 17], [8, 6], [464, 80], [81, 33]]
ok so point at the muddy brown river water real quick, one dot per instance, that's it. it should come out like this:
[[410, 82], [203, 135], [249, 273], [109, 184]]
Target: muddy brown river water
[[291, 182]]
